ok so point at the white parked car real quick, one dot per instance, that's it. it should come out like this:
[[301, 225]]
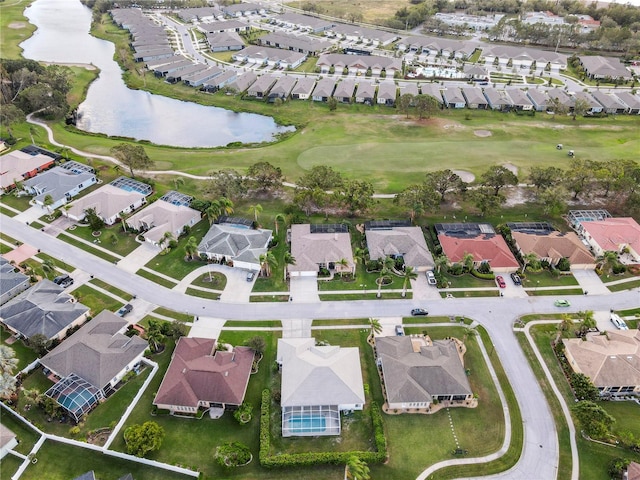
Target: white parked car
[[618, 322], [431, 278]]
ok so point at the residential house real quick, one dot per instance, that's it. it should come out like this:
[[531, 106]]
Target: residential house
[[150, 54], [453, 97], [261, 87], [200, 78], [304, 22], [344, 90], [497, 99], [43, 309], [539, 99], [282, 88], [610, 103], [366, 92], [631, 102], [273, 57], [418, 372], [170, 68], [8, 440], [302, 90], [164, 219], [474, 97], [320, 246], [318, 384], [598, 68], [398, 239], [122, 196], [233, 241], [611, 361], [633, 471], [518, 57], [202, 14], [433, 90], [547, 244], [18, 166], [297, 43], [200, 376], [479, 240], [594, 106], [612, 235], [519, 100], [240, 9], [412, 89], [152, 66], [91, 362], [12, 282], [358, 33], [228, 77], [475, 72], [324, 89], [387, 94], [560, 96], [359, 64], [226, 26], [60, 184], [225, 41]]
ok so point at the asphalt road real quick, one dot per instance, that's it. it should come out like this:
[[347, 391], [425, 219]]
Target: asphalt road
[[496, 314]]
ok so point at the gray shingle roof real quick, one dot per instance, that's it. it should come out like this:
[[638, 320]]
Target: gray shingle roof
[[311, 249], [406, 241], [44, 308], [97, 352], [235, 243], [56, 182], [10, 280], [417, 373]]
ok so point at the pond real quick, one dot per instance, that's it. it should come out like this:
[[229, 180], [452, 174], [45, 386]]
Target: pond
[[111, 108]]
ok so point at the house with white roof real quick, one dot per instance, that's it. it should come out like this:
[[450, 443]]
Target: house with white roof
[[318, 384], [60, 183], [12, 282]]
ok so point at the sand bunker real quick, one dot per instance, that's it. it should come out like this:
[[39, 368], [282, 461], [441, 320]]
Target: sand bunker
[[465, 176], [17, 25], [511, 167], [482, 133]]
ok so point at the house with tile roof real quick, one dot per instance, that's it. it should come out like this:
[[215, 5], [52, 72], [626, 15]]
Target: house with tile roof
[[162, 217], [633, 471], [61, 183], [345, 90], [282, 88], [44, 308], [418, 371], [109, 202], [320, 246], [17, 166], [612, 235], [199, 376], [611, 361], [318, 384], [235, 243], [552, 246], [479, 240], [99, 352], [395, 241], [12, 282]]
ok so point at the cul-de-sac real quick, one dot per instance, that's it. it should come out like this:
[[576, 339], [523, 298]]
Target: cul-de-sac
[[319, 239]]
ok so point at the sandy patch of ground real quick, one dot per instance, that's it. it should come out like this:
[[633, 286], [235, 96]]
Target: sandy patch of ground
[[482, 133], [517, 196], [86, 66], [465, 176], [511, 167], [17, 25]]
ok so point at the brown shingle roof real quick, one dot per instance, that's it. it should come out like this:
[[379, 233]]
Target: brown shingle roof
[[198, 373], [554, 245]]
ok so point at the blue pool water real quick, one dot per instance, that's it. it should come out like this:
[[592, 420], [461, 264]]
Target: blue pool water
[[307, 424], [75, 399]]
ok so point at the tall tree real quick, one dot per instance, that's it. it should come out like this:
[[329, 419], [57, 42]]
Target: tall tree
[[440, 261], [487, 201], [588, 321], [553, 200], [256, 210], [426, 106], [132, 156], [268, 262], [594, 420], [417, 198], [443, 181], [580, 176], [374, 325], [387, 265], [191, 247], [142, 439], [8, 360], [226, 183], [356, 196], [322, 177], [498, 177], [264, 177], [408, 275], [279, 217], [545, 177], [580, 108], [404, 103]]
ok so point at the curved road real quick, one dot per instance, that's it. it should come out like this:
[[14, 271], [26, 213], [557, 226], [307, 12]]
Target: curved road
[[496, 314]]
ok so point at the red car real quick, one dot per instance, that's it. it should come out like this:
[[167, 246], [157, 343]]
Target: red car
[[500, 282]]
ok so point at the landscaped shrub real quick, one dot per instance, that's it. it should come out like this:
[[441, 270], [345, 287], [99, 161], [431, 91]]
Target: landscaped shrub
[[456, 269], [484, 268], [243, 413], [564, 265], [618, 268], [233, 454], [373, 266]]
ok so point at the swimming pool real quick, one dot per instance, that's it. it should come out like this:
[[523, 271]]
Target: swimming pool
[[74, 400], [307, 424]]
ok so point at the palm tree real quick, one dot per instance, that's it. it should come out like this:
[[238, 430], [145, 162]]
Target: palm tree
[[469, 332], [387, 265], [48, 201], [467, 261], [288, 260], [166, 238], [48, 267], [267, 263], [191, 247], [528, 259], [257, 210], [375, 326], [565, 325], [155, 338], [440, 262], [178, 182], [588, 321], [7, 359], [7, 385], [31, 396], [356, 469], [226, 206], [277, 219], [609, 258], [408, 274], [113, 238], [343, 262], [360, 253], [123, 219], [212, 212]]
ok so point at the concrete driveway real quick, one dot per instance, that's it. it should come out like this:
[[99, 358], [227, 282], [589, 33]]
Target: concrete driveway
[[590, 282], [139, 258], [207, 327], [238, 290], [304, 289], [422, 290]]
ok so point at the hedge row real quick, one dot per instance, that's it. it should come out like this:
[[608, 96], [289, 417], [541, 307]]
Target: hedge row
[[484, 276], [316, 458]]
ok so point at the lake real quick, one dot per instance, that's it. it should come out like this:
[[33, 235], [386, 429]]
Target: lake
[[114, 109]]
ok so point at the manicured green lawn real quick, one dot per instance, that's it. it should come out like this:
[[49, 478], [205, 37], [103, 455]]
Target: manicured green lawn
[[87, 248], [624, 286], [110, 288], [546, 279], [214, 281], [24, 354], [559, 293], [9, 465], [57, 461], [268, 298], [126, 242], [466, 280], [5, 211], [360, 296], [627, 415], [173, 264], [156, 279], [19, 203], [95, 300], [470, 293], [183, 317], [27, 437], [252, 323], [11, 13], [203, 294], [58, 263]]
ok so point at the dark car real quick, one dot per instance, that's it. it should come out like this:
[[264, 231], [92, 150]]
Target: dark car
[[124, 310], [419, 312], [250, 276], [63, 280], [516, 279], [500, 282]]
